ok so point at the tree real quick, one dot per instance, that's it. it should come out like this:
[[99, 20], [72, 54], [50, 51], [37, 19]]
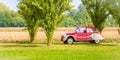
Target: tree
[[9, 18], [68, 21], [81, 15], [111, 22], [26, 9], [113, 7], [97, 12], [51, 14]]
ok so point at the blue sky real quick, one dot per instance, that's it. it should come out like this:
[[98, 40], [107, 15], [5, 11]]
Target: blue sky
[[12, 4]]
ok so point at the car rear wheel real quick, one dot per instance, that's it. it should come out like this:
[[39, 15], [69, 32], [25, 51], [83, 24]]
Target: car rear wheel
[[96, 41], [70, 40], [92, 41]]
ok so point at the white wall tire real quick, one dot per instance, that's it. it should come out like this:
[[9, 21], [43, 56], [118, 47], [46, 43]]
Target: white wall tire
[[70, 40], [97, 41]]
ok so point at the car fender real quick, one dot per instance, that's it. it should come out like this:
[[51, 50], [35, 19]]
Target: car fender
[[69, 37], [97, 36]]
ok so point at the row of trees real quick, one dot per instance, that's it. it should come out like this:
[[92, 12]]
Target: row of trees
[[80, 15], [9, 18]]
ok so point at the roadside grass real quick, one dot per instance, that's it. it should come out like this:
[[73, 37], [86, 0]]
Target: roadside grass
[[60, 51], [54, 41]]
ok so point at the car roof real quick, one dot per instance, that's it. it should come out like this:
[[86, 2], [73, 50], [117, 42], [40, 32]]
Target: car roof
[[92, 27]]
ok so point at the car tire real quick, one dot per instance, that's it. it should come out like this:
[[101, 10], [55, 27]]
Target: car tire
[[70, 40], [65, 42], [92, 41], [97, 41]]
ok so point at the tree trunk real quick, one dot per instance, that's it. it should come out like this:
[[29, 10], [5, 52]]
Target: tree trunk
[[32, 39], [49, 43], [49, 38], [32, 36]]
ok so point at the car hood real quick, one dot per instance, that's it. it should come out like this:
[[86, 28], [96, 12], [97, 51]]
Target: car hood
[[70, 33]]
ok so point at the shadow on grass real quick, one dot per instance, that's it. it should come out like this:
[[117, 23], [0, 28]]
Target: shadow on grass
[[89, 44], [101, 44]]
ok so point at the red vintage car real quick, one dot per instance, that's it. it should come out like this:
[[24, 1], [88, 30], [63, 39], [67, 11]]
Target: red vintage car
[[85, 33]]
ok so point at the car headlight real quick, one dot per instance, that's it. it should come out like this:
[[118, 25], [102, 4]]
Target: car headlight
[[97, 37], [64, 34]]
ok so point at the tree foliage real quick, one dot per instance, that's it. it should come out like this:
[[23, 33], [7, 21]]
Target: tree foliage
[[97, 12], [51, 14], [68, 21], [54, 16], [113, 7], [81, 15], [48, 12], [9, 18], [74, 16], [31, 16]]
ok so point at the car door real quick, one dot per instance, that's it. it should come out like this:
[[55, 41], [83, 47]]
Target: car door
[[89, 34], [81, 35]]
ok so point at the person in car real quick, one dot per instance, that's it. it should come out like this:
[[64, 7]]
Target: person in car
[[80, 29], [96, 30]]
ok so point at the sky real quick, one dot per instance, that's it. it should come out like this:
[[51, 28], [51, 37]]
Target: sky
[[12, 4]]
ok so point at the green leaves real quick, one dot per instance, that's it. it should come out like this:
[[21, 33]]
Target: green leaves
[[9, 18], [48, 12], [28, 10], [52, 13], [113, 6], [97, 11]]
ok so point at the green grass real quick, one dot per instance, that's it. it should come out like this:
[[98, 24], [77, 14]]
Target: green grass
[[59, 51]]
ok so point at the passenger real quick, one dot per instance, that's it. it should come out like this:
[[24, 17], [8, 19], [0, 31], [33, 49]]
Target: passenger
[[79, 28], [96, 30]]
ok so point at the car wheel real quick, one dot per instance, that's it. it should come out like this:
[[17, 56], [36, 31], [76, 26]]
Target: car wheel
[[70, 40], [65, 42], [92, 41], [96, 41]]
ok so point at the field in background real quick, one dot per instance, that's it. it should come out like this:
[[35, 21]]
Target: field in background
[[21, 34]]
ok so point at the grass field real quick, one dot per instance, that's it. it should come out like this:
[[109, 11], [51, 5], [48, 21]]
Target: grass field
[[59, 51]]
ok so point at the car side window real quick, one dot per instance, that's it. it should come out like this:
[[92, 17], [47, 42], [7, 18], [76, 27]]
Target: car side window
[[89, 30], [81, 30]]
